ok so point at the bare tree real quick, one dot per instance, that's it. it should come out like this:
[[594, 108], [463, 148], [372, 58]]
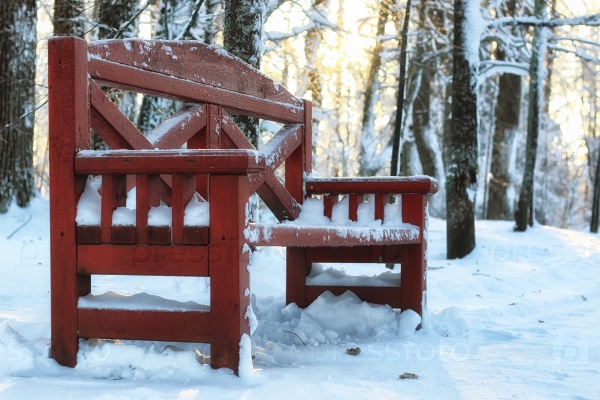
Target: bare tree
[[69, 18], [17, 87], [461, 149], [243, 36]]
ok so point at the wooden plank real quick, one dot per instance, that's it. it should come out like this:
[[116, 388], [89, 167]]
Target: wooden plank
[[276, 151], [151, 162], [112, 125], [113, 195], [184, 187], [413, 275], [381, 199], [147, 194], [281, 203], [297, 268], [109, 259], [307, 140], [354, 201], [193, 61], [159, 234], [370, 254], [179, 128], [328, 202], [134, 79], [171, 326], [88, 234], [228, 267], [68, 132], [391, 185], [320, 236], [372, 294]]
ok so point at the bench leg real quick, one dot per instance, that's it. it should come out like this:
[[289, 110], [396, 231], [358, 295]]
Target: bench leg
[[412, 277], [228, 269], [296, 270]]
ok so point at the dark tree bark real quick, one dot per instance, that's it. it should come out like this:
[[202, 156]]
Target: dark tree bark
[[69, 18], [507, 112], [243, 37], [112, 17], [397, 135], [461, 171], [17, 101], [596, 198], [524, 213]]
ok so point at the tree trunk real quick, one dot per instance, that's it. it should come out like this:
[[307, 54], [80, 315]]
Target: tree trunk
[[17, 100], [69, 18], [524, 213], [112, 17], [368, 165], [243, 37], [397, 135], [596, 198], [507, 113], [461, 171]]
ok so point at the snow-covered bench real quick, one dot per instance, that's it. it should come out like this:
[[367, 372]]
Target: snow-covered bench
[[192, 178]]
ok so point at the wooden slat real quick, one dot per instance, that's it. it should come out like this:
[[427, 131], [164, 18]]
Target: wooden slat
[[168, 162], [184, 187], [147, 195], [152, 83], [372, 294], [391, 185], [381, 199], [319, 236], [109, 259], [371, 254], [193, 61], [68, 131], [279, 200], [328, 203], [179, 128], [354, 201], [413, 276], [113, 196], [112, 125], [171, 326]]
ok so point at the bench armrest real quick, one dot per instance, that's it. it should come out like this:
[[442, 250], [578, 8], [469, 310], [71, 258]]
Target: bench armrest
[[372, 185]]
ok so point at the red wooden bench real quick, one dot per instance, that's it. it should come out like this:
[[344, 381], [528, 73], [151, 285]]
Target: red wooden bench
[[199, 151]]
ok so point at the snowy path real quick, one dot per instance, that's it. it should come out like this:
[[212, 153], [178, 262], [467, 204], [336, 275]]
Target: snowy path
[[518, 318]]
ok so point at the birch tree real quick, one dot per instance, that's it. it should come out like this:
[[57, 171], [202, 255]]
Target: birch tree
[[17, 87]]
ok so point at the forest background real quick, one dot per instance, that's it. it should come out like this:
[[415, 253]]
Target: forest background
[[499, 99]]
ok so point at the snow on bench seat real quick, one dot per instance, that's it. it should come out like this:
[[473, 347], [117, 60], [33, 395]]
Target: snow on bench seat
[[330, 236]]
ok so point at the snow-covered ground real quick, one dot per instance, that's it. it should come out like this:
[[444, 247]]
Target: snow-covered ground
[[518, 318]]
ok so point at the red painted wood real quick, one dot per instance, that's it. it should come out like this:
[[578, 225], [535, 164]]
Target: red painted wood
[[123, 234], [147, 82], [168, 162], [392, 185], [167, 57], [113, 195], [147, 195], [307, 139], [319, 236], [281, 203], [178, 326], [110, 259], [413, 275], [159, 234], [112, 125], [196, 235], [381, 200], [88, 234], [184, 187], [371, 294], [371, 254], [182, 126], [297, 268], [228, 263], [354, 201], [328, 203], [68, 132]]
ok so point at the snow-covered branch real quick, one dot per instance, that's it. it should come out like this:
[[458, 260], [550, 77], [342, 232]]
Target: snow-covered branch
[[581, 54], [587, 20]]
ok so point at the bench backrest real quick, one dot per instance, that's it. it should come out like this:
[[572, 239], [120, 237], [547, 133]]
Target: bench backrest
[[211, 82]]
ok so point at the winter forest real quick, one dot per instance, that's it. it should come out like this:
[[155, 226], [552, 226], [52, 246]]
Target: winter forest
[[496, 99]]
